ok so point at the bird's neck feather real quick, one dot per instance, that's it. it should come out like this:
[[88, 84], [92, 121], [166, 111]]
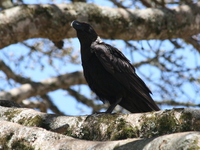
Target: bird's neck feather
[[86, 52]]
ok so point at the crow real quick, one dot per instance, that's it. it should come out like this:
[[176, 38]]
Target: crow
[[110, 74]]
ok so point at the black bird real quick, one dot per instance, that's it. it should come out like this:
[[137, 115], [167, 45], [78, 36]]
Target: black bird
[[110, 74]]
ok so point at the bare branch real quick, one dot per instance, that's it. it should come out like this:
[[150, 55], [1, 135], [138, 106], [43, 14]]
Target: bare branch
[[53, 21], [27, 103], [174, 103], [118, 4], [84, 100], [194, 42], [35, 104], [147, 61], [146, 3], [49, 104], [40, 88], [11, 75]]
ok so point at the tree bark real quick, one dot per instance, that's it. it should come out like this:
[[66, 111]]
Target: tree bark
[[29, 135], [103, 127], [15, 136], [53, 21]]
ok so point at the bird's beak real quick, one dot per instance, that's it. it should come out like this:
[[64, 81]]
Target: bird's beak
[[76, 25]]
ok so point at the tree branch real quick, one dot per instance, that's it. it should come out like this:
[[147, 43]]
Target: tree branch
[[11, 75], [118, 4], [194, 42], [174, 103], [146, 3], [103, 127], [16, 136], [27, 103], [35, 104], [53, 21], [49, 104], [39, 88], [84, 100]]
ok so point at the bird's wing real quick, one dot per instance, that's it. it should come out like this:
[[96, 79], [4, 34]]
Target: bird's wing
[[119, 66]]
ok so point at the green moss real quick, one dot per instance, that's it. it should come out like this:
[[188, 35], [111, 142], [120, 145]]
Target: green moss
[[4, 141], [117, 128], [79, 118], [36, 121], [102, 118], [8, 138], [69, 132], [108, 118], [12, 114], [120, 129], [166, 123], [196, 125], [189, 123], [159, 125], [91, 129], [18, 145], [194, 146], [48, 11], [186, 121], [88, 134], [127, 132]]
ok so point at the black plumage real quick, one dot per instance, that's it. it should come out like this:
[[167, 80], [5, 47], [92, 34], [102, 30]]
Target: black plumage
[[110, 74]]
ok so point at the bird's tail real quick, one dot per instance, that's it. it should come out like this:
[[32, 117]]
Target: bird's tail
[[138, 105]]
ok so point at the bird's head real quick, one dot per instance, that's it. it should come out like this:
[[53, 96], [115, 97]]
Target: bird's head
[[85, 32]]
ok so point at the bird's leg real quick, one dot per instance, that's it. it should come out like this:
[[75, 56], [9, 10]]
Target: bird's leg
[[112, 106]]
